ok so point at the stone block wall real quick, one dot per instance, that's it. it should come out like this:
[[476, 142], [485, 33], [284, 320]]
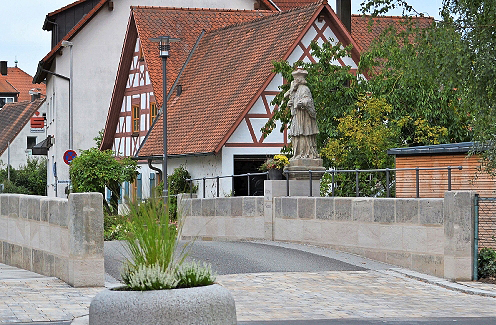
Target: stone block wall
[[433, 236], [54, 237], [231, 218], [404, 232]]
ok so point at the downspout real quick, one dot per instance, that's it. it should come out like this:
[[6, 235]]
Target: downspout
[[159, 171], [8, 161]]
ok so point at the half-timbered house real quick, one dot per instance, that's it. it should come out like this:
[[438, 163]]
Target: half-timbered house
[[221, 86]]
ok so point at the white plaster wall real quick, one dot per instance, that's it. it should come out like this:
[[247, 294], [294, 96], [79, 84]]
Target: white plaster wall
[[198, 167], [97, 50], [228, 154], [18, 153]]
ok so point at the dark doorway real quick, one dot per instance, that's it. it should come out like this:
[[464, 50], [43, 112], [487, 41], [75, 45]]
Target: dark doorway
[[245, 165]]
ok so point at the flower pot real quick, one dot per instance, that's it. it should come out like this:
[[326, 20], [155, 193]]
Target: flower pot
[[211, 304], [275, 174]]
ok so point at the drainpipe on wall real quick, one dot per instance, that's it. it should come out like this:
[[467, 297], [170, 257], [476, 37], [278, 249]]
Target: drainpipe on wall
[[8, 161], [159, 171]]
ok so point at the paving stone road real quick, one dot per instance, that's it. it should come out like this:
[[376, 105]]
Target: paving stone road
[[381, 293]]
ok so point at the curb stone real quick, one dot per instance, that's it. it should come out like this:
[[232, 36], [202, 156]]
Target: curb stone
[[447, 284]]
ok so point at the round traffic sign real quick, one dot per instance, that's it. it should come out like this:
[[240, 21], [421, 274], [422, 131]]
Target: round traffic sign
[[69, 155]]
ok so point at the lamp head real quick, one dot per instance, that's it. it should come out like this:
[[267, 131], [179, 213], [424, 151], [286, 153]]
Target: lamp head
[[66, 44], [164, 44]]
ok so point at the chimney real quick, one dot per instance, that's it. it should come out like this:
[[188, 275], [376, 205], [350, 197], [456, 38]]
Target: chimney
[[3, 68], [35, 94], [343, 10]]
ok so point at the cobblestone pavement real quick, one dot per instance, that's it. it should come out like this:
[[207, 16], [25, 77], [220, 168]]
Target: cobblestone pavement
[[29, 297], [348, 294], [391, 293]]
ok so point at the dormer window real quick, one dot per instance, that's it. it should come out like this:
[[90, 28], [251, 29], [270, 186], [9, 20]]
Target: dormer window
[[5, 100]]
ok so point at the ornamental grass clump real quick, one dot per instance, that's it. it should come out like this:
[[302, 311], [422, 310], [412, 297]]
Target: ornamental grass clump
[[156, 262], [278, 162]]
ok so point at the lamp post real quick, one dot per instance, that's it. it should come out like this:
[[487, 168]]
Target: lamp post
[[71, 97], [164, 49]]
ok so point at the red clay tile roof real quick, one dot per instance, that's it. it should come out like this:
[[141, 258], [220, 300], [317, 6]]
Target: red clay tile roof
[[6, 87], [290, 4], [183, 23], [13, 117], [22, 82], [364, 33], [46, 62], [217, 88]]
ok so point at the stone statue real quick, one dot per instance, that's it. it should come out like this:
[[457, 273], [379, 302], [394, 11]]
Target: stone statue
[[303, 129]]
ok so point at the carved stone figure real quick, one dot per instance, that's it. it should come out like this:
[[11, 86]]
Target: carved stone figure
[[303, 129]]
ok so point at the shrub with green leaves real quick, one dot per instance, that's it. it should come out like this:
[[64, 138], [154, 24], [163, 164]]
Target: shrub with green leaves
[[178, 184], [28, 179], [486, 263], [115, 227]]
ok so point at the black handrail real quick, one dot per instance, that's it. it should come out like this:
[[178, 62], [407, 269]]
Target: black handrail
[[333, 172]]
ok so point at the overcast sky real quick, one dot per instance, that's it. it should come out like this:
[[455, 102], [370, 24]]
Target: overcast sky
[[22, 36]]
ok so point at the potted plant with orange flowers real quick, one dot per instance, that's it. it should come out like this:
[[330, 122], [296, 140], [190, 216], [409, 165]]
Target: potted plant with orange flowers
[[275, 166]]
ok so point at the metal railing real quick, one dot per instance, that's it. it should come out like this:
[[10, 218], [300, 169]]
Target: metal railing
[[217, 181], [334, 173], [388, 171]]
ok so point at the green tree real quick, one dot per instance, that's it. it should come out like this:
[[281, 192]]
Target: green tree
[[28, 179], [334, 89], [93, 170], [407, 67], [466, 60], [428, 111]]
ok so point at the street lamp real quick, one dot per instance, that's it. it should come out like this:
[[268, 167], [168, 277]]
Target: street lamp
[[164, 49], [71, 97]]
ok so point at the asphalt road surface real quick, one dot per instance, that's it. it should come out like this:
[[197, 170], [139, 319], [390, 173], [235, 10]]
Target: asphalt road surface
[[241, 257]]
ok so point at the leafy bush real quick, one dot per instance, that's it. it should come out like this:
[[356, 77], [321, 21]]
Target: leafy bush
[[115, 227], [178, 184], [93, 170], [29, 179], [194, 275], [486, 263]]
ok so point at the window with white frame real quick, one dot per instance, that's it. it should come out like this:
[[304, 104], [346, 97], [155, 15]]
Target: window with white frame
[[5, 100]]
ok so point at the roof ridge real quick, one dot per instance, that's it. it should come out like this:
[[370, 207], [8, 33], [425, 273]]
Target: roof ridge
[[256, 20], [393, 16], [72, 4], [12, 85], [199, 9]]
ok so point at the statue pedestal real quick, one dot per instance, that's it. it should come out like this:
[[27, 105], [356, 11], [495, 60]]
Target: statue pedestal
[[298, 169]]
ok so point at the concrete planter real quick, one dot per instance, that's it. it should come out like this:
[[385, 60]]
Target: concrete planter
[[201, 305]]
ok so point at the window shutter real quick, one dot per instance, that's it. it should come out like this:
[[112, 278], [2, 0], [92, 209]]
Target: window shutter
[[152, 183], [138, 187]]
